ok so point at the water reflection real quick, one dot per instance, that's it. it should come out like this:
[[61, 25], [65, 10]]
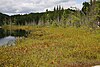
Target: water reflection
[[15, 33], [10, 40], [9, 36]]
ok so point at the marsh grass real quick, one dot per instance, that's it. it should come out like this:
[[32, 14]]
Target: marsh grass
[[54, 47]]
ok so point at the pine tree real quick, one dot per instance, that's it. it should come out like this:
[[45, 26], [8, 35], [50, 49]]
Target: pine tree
[[62, 9], [54, 9], [57, 8], [46, 10]]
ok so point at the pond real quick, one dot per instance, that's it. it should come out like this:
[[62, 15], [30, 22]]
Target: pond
[[10, 40], [8, 37]]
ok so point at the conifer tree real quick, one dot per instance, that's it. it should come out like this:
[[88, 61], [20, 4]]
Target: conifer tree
[[54, 9]]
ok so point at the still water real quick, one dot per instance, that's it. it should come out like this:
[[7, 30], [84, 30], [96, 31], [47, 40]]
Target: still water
[[9, 40], [8, 37]]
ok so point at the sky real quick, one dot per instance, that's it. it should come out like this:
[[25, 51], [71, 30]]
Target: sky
[[12, 7]]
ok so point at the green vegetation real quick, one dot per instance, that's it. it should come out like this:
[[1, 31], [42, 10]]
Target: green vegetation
[[88, 16], [53, 47], [59, 38]]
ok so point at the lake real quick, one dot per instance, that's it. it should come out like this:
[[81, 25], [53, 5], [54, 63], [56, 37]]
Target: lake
[[8, 37], [9, 40]]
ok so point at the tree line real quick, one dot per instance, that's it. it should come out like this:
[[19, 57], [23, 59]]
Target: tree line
[[88, 16]]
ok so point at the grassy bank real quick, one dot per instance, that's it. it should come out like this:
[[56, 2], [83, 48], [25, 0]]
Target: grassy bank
[[54, 47]]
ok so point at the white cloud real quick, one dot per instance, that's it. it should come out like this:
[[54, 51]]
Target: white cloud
[[27, 6]]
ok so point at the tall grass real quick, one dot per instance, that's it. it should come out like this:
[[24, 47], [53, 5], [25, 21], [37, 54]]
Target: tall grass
[[54, 47]]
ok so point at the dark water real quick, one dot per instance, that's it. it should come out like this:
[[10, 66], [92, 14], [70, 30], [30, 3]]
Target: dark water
[[8, 37]]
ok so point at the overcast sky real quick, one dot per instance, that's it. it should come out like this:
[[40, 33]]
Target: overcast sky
[[27, 6]]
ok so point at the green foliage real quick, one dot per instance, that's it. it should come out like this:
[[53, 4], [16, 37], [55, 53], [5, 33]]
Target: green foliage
[[86, 7], [88, 16], [54, 24], [3, 19]]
